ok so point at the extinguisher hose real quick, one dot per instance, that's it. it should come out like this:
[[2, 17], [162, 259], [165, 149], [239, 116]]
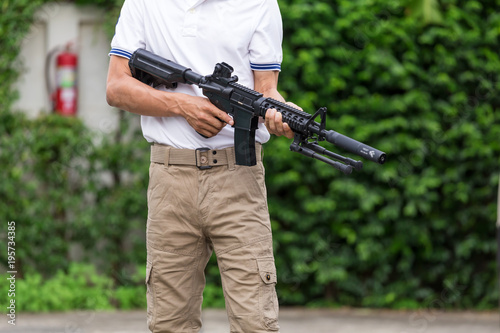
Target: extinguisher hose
[[50, 83]]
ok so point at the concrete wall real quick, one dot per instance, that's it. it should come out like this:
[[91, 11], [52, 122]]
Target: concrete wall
[[56, 25]]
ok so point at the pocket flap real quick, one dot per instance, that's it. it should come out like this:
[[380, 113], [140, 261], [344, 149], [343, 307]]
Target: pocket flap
[[267, 270]]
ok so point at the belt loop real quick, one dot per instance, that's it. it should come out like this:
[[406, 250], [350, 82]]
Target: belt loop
[[167, 157], [260, 147], [230, 159]]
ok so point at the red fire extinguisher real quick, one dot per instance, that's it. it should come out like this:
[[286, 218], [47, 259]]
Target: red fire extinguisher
[[65, 95]]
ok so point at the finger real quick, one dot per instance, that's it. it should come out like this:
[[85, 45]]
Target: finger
[[271, 127], [214, 125], [225, 118], [288, 131], [278, 123], [208, 125], [216, 117], [206, 130], [220, 115], [293, 105]]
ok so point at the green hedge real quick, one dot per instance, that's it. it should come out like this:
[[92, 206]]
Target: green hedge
[[422, 87], [79, 287], [15, 22], [67, 194], [395, 235]]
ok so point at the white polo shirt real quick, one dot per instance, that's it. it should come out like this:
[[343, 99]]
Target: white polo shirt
[[246, 34]]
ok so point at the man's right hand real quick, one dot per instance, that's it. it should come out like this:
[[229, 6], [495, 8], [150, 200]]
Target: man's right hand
[[206, 119]]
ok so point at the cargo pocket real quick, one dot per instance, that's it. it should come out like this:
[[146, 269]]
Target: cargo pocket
[[268, 300], [150, 295]]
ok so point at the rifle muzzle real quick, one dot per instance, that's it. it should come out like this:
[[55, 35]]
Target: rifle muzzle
[[356, 147]]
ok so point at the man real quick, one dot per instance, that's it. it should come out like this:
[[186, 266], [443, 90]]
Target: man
[[198, 199]]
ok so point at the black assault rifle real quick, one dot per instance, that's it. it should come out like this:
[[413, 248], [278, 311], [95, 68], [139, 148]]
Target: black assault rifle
[[246, 106]]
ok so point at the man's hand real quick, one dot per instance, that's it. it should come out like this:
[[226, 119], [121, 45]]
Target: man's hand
[[202, 115], [275, 125]]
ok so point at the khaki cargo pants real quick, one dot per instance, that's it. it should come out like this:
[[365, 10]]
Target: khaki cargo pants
[[193, 210]]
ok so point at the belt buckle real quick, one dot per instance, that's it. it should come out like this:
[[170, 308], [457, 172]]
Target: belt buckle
[[198, 163]]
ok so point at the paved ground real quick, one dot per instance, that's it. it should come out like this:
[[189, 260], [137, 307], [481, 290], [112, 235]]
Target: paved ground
[[291, 321]]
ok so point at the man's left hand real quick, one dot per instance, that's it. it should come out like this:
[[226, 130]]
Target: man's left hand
[[275, 125]]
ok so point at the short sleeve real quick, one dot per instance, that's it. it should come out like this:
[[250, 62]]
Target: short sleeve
[[265, 47], [129, 31]]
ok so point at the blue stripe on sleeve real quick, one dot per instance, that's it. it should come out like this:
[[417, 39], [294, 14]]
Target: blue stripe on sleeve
[[120, 52], [265, 67]]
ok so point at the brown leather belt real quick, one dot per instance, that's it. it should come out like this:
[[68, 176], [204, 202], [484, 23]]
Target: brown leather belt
[[203, 158]]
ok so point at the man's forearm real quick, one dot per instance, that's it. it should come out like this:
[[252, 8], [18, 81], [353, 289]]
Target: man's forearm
[[274, 94], [266, 82], [126, 93]]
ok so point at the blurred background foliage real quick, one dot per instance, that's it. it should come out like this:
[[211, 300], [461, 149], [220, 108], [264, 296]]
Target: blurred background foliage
[[418, 79]]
